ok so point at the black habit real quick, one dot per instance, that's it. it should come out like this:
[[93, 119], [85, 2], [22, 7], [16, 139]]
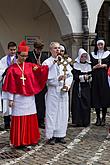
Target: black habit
[[100, 86], [81, 106], [81, 101]]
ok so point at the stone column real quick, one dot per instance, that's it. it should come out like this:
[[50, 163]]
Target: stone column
[[92, 38], [73, 42]]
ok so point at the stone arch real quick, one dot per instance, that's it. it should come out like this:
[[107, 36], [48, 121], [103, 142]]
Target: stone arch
[[85, 28], [70, 26], [68, 31], [62, 11], [103, 22]]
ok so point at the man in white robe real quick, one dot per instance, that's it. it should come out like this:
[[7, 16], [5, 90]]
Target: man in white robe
[[57, 100], [5, 62]]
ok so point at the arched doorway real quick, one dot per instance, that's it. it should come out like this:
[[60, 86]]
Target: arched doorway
[[103, 23], [49, 20], [19, 19]]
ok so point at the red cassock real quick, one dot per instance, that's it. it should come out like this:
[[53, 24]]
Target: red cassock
[[35, 79], [24, 128]]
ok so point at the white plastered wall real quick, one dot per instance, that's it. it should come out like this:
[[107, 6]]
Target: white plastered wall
[[68, 15], [49, 20], [93, 10]]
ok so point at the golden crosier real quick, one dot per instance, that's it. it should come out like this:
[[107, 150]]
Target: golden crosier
[[64, 60]]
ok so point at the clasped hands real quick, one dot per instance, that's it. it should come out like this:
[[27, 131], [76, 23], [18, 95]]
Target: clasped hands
[[100, 66], [87, 77]]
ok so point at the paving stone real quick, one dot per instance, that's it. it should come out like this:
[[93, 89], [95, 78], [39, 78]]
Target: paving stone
[[79, 153]]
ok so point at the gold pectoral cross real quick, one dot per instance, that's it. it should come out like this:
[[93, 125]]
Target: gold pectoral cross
[[23, 79]]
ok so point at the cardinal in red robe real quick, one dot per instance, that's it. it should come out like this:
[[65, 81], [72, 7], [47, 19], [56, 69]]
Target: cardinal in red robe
[[24, 80]]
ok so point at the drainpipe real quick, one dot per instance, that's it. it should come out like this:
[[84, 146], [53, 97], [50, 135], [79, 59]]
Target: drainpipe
[[85, 40]]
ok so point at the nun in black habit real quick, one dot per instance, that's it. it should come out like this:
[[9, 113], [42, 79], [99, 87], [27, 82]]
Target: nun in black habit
[[81, 106], [100, 59]]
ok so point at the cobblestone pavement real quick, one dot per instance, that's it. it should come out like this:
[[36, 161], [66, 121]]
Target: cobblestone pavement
[[85, 146]]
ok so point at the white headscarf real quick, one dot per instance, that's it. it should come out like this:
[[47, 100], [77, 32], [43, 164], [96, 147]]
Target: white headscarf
[[100, 53], [101, 42], [80, 52], [83, 67], [62, 47]]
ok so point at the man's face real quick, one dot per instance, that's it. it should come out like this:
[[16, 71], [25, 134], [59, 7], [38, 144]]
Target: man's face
[[38, 50], [55, 50], [12, 50], [22, 56]]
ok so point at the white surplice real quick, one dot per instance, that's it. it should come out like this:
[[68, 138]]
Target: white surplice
[[57, 108], [3, 66], [23, 105]]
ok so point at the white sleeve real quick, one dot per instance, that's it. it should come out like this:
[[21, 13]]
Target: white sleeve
[[3, 66], [69, 78], [7, 96], [53, 82], [10, 96], [49, 63], [4, 95]]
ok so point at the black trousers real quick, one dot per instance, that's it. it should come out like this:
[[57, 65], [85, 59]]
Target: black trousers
[[7, 120], [40, 105]]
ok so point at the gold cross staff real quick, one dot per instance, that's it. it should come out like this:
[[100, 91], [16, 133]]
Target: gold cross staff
[[64, 60], [23, 79]]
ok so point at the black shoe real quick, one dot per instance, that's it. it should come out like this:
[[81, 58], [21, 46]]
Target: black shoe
[[7, 127], [86, 125], [51, 141], [103, 122], [108, 137], [2, 129], [60, 140], [78, 125], [27, 148], [24, 148], [42, 125], [20, 147], [74, 125], [98, 122]]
